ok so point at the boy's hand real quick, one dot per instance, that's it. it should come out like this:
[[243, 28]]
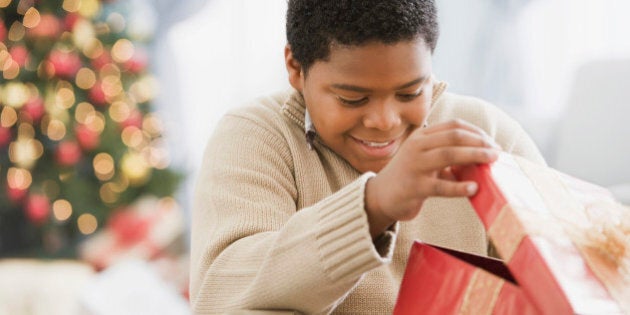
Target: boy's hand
[[422, 168]]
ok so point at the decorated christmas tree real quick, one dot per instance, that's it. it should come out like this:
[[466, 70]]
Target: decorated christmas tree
[[78, 139]]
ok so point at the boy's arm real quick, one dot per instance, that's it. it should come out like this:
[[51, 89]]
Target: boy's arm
[[252, 249]]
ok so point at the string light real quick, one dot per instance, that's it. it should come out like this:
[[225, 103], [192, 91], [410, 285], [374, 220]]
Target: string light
[[152, 124], [107, 193], [120, 185], [103, 166], [93, 49], [119, 111], [15, 94], [87, 223], [132, 137], [8, 117], [83, 33], [24, 152], [122, 50], [62, 209], [86, 78], [112, 86], [109, 69], [16, 32], [4, 56], [31, 18], [95, 121], [156, 156], [24, 5], [64, 98], [56, 130], [71, 5], [26, 131], [82, 111], [135, 168], [89, 8], [11, 69], [18, 178], [143, 90]]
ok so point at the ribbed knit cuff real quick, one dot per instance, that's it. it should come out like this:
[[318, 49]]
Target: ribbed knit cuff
[[344, 240]]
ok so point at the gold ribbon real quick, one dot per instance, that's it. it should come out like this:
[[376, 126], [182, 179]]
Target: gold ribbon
[[481, 293]]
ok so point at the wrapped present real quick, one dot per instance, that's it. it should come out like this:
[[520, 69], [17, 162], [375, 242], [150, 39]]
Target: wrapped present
[[443, 281], [567, 242], [144, 231]]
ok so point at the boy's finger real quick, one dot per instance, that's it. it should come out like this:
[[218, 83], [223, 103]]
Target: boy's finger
[[453, 137], [439, 158], [453, 124], [447, 188]]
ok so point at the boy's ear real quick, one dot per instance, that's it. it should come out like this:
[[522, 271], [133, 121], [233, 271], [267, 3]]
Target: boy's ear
[[294, 69]]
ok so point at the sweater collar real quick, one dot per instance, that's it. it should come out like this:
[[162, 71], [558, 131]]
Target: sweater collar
[[295, 109]]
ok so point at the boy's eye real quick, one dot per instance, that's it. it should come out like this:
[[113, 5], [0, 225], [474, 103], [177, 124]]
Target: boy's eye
[[409, 97], [353, 102]]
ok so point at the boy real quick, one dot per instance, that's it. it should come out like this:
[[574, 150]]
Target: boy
[[309, 200]]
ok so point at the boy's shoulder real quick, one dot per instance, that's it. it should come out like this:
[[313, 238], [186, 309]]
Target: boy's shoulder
[[269, 106], [265, 112], [451, 106]]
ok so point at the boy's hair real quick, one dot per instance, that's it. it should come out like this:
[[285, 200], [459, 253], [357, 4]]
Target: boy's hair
[[314, 25]]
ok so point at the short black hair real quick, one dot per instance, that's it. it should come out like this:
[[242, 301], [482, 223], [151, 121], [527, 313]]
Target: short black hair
[[314, 25]]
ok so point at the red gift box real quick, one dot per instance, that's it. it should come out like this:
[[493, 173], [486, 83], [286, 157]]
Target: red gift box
[[144, 231], [567, 242], [443, 281]]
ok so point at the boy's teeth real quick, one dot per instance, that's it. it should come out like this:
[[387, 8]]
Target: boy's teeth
[[375, 144]]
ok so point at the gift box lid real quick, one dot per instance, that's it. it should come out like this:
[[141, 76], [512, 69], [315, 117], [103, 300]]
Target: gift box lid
[[567, 242]]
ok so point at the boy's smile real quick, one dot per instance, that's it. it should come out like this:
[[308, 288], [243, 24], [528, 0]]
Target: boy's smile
[[365, 100]]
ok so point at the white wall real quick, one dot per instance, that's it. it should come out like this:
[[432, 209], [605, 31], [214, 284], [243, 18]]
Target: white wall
[[230, 52]]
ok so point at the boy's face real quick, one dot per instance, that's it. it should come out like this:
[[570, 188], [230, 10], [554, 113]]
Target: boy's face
[[364, 101]]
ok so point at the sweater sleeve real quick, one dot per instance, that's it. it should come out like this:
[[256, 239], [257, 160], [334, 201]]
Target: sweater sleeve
[[253, 249]]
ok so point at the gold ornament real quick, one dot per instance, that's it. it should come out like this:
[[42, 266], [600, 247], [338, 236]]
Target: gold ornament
[[15, 94], [83, 34], [135, 168], [24, 152]]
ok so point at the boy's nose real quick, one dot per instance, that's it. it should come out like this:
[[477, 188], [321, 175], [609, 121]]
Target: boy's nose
[[382, 116]]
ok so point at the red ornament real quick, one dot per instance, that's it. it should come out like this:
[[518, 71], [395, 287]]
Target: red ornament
[[69, 21], [103, 59], [34, 108], [19, 54], [128, 226], [138, 62], [16, 195], [64, 64], [135, 119], [37, 208], [87, 138], [5, 136], [48, 27], [3, 31], [97, 95], [68, 153]]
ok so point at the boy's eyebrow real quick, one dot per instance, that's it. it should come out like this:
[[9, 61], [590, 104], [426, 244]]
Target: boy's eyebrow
[[359, 89]]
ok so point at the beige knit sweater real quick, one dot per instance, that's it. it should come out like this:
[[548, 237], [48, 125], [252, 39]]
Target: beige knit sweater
[[278, 226]]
